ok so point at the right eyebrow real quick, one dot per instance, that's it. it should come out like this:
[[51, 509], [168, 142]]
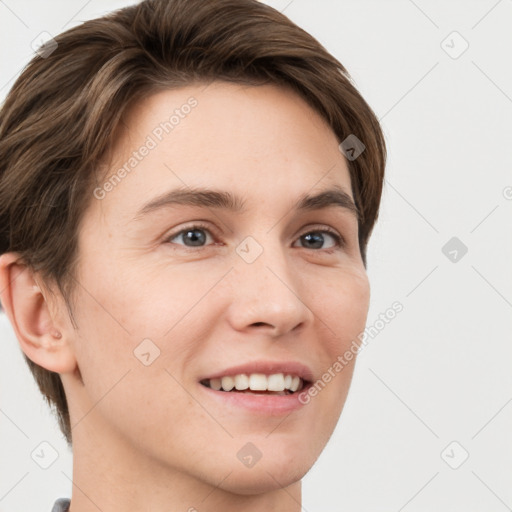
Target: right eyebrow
[[201, 197]]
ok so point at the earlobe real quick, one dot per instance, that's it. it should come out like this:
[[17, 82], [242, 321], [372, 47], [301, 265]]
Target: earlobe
[[31, 318]]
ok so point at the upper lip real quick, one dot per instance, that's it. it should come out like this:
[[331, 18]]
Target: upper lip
[[267, 368]]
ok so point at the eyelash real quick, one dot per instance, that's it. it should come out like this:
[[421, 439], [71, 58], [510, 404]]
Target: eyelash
[[340, 241]]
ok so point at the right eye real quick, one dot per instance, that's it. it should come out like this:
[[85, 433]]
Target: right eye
[[193, 234]]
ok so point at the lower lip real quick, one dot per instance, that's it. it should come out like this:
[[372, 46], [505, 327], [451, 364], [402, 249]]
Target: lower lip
[[272, 405]]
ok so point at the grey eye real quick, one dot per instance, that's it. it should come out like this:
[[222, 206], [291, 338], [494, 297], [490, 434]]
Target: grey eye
[[191, 237]]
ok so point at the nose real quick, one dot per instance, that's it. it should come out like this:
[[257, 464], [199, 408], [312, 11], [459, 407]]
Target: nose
[[267, 294]]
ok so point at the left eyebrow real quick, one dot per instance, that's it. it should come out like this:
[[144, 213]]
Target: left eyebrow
[[221, 199]]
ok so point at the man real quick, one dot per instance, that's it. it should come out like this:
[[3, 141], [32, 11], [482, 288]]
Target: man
[[203, 180]]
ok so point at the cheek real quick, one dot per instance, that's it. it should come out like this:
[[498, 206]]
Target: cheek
[[131, 376], [343, 308], [127, 319], [134, 301], [342, 312]]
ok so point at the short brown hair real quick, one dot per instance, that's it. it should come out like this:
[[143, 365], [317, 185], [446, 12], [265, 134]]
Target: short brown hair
[[63, 112]]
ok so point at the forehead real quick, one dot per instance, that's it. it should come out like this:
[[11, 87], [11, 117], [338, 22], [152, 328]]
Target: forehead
[[253, 140]]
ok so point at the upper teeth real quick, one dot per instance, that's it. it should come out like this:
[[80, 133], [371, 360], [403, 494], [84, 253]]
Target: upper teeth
[[257, 382]]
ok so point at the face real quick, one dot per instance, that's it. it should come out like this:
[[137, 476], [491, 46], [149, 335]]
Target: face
[[180, 295]]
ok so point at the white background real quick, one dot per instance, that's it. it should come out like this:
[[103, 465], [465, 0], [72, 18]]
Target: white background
[[441, 370]]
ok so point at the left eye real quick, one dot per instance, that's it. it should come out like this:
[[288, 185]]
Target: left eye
[[317, 237], [194, 237]]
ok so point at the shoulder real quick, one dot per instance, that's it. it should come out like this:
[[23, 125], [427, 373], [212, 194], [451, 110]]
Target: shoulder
[[61, 505]]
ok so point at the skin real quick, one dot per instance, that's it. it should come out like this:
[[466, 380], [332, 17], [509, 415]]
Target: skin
[[147, 437]]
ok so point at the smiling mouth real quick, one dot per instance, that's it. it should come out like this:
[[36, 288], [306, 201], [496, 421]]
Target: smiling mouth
[[257, 384]]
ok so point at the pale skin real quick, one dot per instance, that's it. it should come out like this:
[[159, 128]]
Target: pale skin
[[148, 437]]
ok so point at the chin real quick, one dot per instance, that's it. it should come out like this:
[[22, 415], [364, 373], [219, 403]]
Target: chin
[[265, 478], [281, 464]]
